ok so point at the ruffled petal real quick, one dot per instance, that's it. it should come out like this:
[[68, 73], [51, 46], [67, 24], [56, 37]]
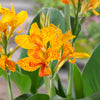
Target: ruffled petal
[[65, 1], [44, 71], [2, 61], [36, 53], [52, 54], [67, 36], [11, 65], [29, 63], [48, 33], [24, 41]]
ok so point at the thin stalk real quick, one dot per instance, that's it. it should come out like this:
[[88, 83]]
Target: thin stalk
[[49, 83], [76, 21], [9, 86], [71, 67], [70, 81], [67, 18]]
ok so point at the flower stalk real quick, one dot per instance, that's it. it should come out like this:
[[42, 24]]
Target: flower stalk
[[9, 85], [71, 67]]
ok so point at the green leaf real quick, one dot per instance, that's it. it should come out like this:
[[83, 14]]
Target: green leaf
[[94, 96], [23, 97], [78, 84], [60, 91], [91, 73], [1, 72], [39, 97], [56, 17], [23, 82], [58, 98]]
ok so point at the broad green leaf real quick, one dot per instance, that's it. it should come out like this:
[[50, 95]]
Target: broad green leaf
[[91, 73], [39, 97], [58, 98], [22, 81], [78, 84], [94, 96], [23, 97]]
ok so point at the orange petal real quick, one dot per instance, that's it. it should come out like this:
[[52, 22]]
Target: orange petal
[[37, 40], [72, 61], [67, 50], [44, 71], [36, 53], [24, 41], [29, 63], [34, 29], [65, 1], [67, 36], [12, 8], [11, 65], [2, 61], [47, 34], [80, 55], [52, 54]]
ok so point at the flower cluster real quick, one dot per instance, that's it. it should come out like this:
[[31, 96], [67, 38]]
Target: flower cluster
[[8, 23], [45, 45], [85, 5]]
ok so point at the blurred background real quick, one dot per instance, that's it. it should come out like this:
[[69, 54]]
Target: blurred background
[[88, 38]]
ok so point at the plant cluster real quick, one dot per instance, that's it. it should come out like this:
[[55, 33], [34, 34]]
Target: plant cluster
[[48, 45]]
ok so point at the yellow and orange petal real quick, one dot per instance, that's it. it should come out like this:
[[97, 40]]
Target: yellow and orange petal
[[52, 54], [11, 65], [35, 29], [29, 63], [24, 41], [95, 12], [67, 36], [65, 1], [44, 71], [47, 34], [2, 61], [36, 53]]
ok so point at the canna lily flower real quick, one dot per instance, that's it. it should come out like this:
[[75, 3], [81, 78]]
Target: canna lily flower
[[38, 59], [39, 56], [65, 1], [5, 61], [12, 19], [92, 4], [68, 54]]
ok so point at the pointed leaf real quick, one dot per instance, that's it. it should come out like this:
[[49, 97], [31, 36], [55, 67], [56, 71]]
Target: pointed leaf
[[78, 84], [91, 73]]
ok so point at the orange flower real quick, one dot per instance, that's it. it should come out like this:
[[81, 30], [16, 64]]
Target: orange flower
[[65, 1], [39, 59], [4, 61], [92, 4], [13, 19]]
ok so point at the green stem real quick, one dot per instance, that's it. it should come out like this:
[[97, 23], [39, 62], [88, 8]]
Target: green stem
[[49, 84], [76, 22], [9, 86], [70, 81], [67, 17], [71, 67]]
